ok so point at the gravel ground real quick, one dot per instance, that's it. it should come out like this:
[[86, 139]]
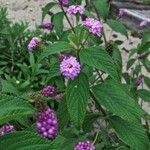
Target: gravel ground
[[30, 11]]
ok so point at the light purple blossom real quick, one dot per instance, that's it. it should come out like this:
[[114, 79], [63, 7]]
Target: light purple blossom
[[63, 2], [47, 25], [48, 91], [143, 23], [93, 25], [75, 9], [70, 67], [85, 145], [47, 123], [138, 82], [58, 97], [121, 12], [5, 129], [33, 43]]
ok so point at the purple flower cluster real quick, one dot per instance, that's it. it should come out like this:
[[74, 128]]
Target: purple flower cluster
[[143, 23], [63, 2], [48, 91], [6, 129], [33, 43], [47, 25], [121, 12], [75, 9], [70, 67], [47, 124], [85, 145], [138, 82], [93, 25]]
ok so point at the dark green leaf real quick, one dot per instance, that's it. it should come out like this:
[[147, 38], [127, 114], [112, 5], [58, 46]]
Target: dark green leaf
[[12, 107], [97, 57], [47, 8], [117, 26], [132, 133], [77, 99], [28, 140], [147, 81], [55, 48], [58, 22], [130, 63], [144, 94], [115, 97], [102, 7]]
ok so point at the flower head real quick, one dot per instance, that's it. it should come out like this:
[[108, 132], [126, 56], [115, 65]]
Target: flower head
[[70, 67], [63, 2], [5, 129], [143, 23], [85, 145], [47, 25], [138, 82], [75, 9], [47, 124], [93, 25], [33, 43], [48, 91], [121, 12]]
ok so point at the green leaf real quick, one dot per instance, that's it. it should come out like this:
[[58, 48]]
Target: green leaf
[[144, 94], [102, 7], [88, 121], [12, 108], [77, 99], [47, 8], [97, 57], [28, 140], [130, 63], [57, 20], [147, 81], [117, 99], [62, 114], [132, 133], [117, 26], [55, 48]]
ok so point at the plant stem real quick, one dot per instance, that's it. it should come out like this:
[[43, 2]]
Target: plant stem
[[95, 138]]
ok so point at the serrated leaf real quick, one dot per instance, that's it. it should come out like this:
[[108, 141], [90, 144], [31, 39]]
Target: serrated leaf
[[98, 58], [115, 97], [28, 140], [132, 133], [117, 26], [102, 7], [62, 114], [130, 63], [55, 48], [12, 107], [144, 94], [57, 20], [47, 8], [147, 81], [77, 99]]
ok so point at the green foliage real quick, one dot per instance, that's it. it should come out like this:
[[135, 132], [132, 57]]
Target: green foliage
[[77, 99], [144, 94]]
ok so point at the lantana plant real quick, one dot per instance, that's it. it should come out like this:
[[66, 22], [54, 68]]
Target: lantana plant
[[67, 87]]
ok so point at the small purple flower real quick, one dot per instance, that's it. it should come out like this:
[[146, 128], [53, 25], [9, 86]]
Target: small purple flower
[[5, 129], [48, 91], [93, 25], [47, 123], [75, 9], [47, 25], [33, 43], [63, 2], [143, 23], [58, 97], [138, 82], [85, 145], [70, 67], [121, 12]]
